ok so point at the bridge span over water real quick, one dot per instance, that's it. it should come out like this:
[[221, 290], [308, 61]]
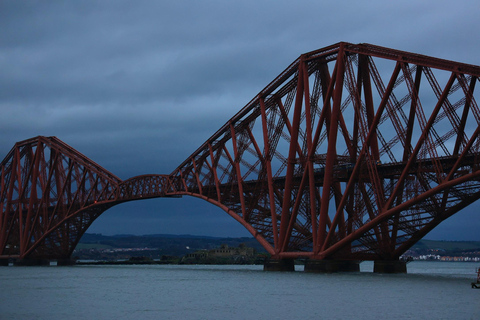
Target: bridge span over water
[[354, 152]]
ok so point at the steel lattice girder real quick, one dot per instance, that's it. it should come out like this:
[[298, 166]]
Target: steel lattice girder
[[50, 194], [353, 152]]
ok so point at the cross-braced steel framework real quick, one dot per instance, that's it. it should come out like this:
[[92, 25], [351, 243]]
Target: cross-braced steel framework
[[354, 152]]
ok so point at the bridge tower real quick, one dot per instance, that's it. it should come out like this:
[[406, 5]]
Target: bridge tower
[[354, 152]]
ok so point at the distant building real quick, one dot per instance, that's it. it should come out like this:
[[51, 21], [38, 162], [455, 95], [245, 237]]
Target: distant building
[[200, 254], [226, 251], [242, 253]]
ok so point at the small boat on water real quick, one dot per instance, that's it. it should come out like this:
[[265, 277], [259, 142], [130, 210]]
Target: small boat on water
[[476, 285]]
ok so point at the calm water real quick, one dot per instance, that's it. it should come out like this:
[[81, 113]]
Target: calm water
[[431, 290]]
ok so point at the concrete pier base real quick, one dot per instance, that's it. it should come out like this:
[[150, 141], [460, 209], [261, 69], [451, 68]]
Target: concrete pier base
[[66, 262], [31, 262], [389, 266], [330, 266], [279, 265]]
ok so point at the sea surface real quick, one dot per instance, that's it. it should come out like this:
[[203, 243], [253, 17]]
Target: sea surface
[[430, 290]]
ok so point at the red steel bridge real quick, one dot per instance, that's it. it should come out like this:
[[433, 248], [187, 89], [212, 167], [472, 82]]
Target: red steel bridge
[[354, 152]]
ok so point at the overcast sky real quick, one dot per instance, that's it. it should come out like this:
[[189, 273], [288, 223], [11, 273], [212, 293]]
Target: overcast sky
[[137, 86]]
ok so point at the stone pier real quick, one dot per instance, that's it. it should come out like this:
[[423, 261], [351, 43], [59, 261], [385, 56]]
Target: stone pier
[[279, 265], [31, 262], [330, 266], [66, 262], [389, 266]]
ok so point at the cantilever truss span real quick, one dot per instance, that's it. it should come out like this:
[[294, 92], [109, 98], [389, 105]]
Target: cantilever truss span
[[354, 152]]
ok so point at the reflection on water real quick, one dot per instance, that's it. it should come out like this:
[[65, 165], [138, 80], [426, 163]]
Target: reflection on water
[[431, 290]]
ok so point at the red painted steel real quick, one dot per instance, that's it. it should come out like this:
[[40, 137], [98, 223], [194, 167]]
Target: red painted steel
[[354, 152]]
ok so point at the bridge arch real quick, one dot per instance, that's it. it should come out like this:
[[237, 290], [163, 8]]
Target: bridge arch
[[342, 156], [182, 216]]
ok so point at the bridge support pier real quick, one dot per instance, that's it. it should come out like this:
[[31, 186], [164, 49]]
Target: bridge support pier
[[66, 262], [31, 262], [389, 266], [279, 265], [330, 266]]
